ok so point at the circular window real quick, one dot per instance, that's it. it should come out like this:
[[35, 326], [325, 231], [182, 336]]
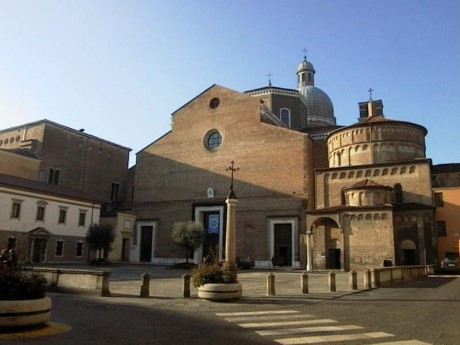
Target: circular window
[[212, 139], [214, 103]]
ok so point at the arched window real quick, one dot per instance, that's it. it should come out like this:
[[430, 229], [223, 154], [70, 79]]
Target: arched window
[[398, 194], [285, 117]]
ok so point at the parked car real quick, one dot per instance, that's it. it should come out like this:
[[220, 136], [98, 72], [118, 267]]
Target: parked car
[[245, 263], [450, 264]]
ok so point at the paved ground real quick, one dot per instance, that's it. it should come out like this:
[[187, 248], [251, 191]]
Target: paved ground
[[167, 283], [341, 317]]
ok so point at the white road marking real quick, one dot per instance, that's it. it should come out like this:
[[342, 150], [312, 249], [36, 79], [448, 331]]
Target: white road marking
[[285, 323], [269, 317], [266, 312], [332, 338], [287, 331], [404, 342]]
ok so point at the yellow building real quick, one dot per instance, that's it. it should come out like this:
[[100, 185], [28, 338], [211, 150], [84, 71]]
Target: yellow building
[[446, 189]]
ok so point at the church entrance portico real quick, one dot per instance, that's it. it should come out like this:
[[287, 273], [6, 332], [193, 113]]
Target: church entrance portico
[[212, 218], [283, 234], [145, 239]]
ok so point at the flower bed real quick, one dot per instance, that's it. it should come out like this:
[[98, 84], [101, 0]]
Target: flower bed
[[22, 300]]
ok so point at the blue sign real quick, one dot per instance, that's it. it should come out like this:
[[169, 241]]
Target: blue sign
[[213, 224]]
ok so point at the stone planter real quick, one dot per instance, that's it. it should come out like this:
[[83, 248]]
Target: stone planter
[[220, 292], [25, 313]]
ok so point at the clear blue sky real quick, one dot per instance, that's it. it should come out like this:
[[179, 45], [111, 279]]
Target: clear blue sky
[[119, 69]]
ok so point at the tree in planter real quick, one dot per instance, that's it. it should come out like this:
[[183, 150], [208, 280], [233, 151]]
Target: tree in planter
[[100, 237], [188, 235]]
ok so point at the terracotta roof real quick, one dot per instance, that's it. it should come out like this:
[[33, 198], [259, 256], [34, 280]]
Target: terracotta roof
[[378, 120], [367, 183], [37, 186], [344, 208]]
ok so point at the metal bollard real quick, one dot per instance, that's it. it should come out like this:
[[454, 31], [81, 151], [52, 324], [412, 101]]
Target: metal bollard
[[145, 287], [332, 282], [186, 285], [304, 282], [353, 280], [270, 284]]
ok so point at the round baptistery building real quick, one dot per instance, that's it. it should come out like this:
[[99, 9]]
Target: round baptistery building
[[375, 140]]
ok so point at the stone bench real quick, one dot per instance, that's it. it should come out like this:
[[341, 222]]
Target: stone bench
[[388, 276], [74, 280]]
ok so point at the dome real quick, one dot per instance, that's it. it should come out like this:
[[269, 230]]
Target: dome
[[305, 66], [320, 110]]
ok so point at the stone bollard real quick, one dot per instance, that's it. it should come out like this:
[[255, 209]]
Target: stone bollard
[[105, 291], [332, 281], [145, 288], [353, 280], [186, 285], [367, 279], [304, 282], [270, 284], [375, 278]]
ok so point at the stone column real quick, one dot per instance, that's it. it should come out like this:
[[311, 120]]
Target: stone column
[[230, 239], [309, 252]]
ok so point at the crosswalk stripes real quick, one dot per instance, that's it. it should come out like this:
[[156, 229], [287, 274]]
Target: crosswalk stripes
[[290, 327]]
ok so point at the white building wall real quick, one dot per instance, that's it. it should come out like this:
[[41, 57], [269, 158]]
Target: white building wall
[[27, 219]]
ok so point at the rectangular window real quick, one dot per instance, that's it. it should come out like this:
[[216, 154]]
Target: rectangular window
[[16, 209], [79, 249], [11, 243], [53, 176], [438, 200], [59, 251], [62, 215], [82, 219], [115, 190], [40, 213], [441, 228]]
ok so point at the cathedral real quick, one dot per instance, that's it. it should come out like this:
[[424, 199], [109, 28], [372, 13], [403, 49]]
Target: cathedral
[[310, 193]]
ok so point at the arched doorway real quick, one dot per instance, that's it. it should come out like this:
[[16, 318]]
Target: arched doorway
[[409, 253], [326, 244]]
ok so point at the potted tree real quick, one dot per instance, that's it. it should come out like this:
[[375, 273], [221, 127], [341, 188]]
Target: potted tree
[[214, 283], [189, 235], [22, 300]]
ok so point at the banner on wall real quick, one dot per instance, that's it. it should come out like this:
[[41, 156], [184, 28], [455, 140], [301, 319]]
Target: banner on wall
[[213, 224]]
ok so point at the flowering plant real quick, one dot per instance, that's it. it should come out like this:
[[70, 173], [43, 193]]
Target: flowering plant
[[16, 285]]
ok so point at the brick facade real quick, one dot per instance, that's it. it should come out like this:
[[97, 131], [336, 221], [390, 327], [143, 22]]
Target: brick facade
[[174, 173]]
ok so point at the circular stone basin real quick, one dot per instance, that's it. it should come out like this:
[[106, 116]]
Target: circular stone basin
[[25, 313], [220, 292]]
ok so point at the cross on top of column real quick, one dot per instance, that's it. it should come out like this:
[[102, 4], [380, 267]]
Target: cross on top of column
[[233, 170]]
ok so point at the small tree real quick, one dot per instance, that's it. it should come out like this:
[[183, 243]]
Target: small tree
[[100, 237], [188, 235]]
